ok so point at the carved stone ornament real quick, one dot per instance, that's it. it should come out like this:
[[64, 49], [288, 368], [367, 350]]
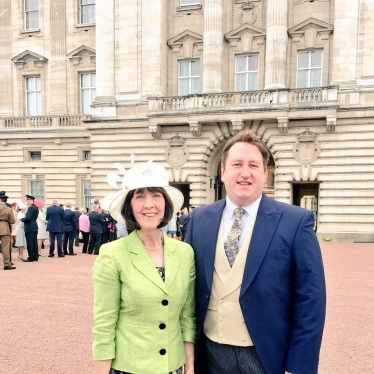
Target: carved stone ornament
[[307, 148], [177, 152], [247, 13]]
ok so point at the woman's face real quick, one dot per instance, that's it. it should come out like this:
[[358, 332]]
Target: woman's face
[[148, 208]]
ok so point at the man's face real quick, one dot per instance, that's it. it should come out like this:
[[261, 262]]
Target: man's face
[[29, 201], [185, 211], [244, 174]]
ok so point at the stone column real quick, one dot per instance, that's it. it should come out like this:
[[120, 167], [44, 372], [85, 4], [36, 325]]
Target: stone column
[[104, 105], [154, 47], [345, 47], [6, 107], [213, 46], [276, 44], [57, 61]]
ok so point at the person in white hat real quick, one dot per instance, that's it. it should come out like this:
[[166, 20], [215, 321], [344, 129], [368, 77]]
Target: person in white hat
[[144, 297]]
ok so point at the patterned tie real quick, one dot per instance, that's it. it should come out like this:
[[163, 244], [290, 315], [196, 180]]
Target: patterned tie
[[232, 242]]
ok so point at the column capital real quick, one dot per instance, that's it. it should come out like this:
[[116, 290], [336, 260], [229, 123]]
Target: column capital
[[196, 128], [155, 130]]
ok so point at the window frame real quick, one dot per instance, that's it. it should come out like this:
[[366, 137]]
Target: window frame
[[189, 77], [81, 89], [80, 19], [30, 158], [33, 193], [248, 71], [30, 11], [309, 68], [38, 111], [84, 196], [84, 153]]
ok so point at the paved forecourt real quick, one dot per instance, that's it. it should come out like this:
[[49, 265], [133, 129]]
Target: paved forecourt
[[46, 310]]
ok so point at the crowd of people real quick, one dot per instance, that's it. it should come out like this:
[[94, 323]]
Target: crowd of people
[[91, 227]]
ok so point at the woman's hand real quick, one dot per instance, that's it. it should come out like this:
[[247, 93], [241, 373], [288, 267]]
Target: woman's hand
[[189, 349]]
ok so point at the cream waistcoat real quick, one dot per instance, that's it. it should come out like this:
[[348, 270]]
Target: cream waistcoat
[[224, 322]]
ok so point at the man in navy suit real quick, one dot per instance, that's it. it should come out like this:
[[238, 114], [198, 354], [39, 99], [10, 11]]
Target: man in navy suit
[[70, 225], [55, 227], [260, 287]]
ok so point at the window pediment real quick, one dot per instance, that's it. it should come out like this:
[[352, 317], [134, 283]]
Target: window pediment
[[77, 54], [27, 56], [187, 44], [247, 34], [309, 29]]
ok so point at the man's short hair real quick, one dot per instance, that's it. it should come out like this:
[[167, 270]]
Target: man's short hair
[[68, 205], [128, 215], [55, 202], [246, 136]]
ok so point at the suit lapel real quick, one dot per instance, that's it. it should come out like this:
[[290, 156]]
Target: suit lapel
[[210, 230], [143, 263], [265, 226]]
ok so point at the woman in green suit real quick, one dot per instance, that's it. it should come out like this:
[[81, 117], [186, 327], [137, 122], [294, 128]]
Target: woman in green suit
[[144, 306]]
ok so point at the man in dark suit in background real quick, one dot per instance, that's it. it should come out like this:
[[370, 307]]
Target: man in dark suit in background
[[96, 230], [70, 225], [55, 227], [77, 215], [105, 236], [183, 223], [31, 229], [260, 287]]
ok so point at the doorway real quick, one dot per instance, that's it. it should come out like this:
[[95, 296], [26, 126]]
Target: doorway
[[305, 195], [185, 189]]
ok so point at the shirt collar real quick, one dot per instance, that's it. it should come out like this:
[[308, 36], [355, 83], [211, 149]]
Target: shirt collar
[[250, 209]]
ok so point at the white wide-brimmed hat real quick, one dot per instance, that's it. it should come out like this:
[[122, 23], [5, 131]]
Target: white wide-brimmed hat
[[148, 174]]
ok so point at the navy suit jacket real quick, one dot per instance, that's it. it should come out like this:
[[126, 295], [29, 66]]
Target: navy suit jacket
[[70, 221], [32, 214], [55, 218], [282, 297], [96, 223]]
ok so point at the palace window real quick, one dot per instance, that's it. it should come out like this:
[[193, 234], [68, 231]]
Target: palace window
[[87, 11], [33, 96], [189, 77], [246, 73], [37, 189], [87, 193], [35, 155], [189, 2], [87, 91], [31, 14], [309, 69], [86, 155]]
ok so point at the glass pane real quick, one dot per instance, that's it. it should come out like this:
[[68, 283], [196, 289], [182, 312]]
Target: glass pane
[[195, 68], [93, 80], [315, 78], [240, 82], [37, 83], [38, 104], [30, 84], [303, 60], [252, 63], [195, 85], [88, 13], [252, 81], [316, 59], [31, 104], [85, 80], [302, 78], [93, 95], [32, 20], [86, 102], [183, 87], [31, 5], [183, 68], [240, 63], [190, 2]]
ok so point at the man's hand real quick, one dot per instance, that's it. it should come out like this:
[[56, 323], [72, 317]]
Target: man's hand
[[287, 372]]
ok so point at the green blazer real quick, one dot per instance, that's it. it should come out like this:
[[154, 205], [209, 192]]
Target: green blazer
[[140, 321]]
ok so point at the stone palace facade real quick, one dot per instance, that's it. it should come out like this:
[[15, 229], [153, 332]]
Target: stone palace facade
[[86, 83]]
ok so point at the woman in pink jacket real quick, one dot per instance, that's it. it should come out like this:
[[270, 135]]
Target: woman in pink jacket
[[84, 227]]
